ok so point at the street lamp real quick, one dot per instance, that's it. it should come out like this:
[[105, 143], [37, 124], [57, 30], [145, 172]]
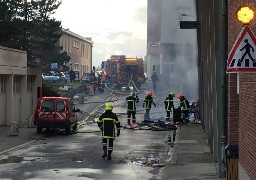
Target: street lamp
[[245, 14]]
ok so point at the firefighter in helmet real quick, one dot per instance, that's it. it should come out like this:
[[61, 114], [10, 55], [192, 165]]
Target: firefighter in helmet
[[168, 102], [107, 123], [132, 99], [184, 104], [148, 101]]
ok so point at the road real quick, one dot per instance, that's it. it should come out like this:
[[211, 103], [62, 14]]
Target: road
[[77, 156]]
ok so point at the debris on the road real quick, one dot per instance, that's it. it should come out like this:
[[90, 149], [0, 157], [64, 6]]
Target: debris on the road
[[156, 125], [149, 161]]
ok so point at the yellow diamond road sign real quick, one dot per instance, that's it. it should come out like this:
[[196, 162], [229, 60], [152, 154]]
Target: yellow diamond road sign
[[242, 57]]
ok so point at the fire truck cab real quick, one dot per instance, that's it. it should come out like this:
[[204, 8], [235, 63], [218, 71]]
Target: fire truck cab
[[56, 113]]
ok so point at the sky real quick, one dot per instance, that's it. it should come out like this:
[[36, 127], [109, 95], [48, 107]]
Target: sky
[[117, 27]]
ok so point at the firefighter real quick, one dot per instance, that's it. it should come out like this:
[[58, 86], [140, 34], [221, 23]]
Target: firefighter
[[132, 99], [154, 79], [184, 104], [168, 102], [148, 101], [107, 123]]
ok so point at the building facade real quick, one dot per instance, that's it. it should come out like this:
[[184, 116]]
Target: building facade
[[18, 87], [171, 51], [228, 100], [241, 122], [79, 49]]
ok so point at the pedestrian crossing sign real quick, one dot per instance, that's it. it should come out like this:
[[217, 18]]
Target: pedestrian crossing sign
[[242, 57]]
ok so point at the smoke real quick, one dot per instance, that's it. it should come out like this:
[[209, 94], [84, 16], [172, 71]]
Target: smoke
[[177, 66]]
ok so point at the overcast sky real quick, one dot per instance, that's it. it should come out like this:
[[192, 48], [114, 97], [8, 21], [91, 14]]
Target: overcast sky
[[116, 26]]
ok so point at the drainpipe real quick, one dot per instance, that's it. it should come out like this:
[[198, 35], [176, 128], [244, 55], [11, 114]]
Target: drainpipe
[[223, 92]]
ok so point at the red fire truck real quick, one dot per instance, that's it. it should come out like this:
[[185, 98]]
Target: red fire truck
[[123, 71]]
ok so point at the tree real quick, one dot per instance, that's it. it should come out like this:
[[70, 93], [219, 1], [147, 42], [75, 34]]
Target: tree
[[28, 26]]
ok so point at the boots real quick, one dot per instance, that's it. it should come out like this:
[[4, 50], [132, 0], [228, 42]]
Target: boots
[[129, 122], [109, 155], [133, 121], [105, 154]]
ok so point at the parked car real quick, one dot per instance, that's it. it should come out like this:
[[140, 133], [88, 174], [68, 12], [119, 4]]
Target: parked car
[[86, 77], [54, 77], [56, 113]]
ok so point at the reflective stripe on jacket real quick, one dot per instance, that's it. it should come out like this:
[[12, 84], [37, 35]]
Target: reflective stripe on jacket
[[107, 123], [184, 103], [168, 103], [131, 103], [148, 101]]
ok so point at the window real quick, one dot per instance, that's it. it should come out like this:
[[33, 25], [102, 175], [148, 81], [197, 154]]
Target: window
[[29, 83], [76, 44], [60, 106], [86, 50], [76, 67], [47, 106], [69, 45], [82, 50], [2, 84], [16, 84], [83, 68]]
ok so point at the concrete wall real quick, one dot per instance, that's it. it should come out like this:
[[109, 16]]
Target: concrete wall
[[18, 87], [211, 75]]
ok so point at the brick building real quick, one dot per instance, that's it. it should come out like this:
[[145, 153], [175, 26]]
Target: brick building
[[79, 49], [241, 100], [227, 100]]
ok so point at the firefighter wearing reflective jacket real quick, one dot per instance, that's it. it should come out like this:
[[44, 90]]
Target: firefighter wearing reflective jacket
[[107, 123], [132, 99], [148, 101], [168, 102], [184, 104]]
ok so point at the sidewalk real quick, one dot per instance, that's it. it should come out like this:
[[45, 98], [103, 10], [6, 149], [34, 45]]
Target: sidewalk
[[191, 158]]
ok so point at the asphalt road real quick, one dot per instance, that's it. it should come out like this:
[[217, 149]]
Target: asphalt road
[[77, 156]]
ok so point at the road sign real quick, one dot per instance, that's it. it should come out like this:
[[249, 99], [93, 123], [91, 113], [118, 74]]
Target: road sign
[[242, 57]]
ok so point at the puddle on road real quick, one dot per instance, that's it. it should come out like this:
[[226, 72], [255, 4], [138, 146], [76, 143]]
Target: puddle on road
[[77, 160], [17, 159], [12, 159]]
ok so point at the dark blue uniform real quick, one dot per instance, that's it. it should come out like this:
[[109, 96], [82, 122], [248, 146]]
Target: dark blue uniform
[[107, 123], [131, 108]]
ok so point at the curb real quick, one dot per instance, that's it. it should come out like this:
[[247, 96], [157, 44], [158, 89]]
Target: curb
[[18, 147]]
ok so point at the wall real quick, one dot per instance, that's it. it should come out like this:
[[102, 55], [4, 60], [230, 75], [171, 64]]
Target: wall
[[241, 118], [211, 75], [17, 103]]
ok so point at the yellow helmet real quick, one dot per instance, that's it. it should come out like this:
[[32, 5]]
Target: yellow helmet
[[172, 93], [108, 106]]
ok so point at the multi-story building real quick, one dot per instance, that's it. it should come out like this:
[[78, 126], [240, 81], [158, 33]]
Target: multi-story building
[[79, 49], [19, 87], [227, 101], [171, 51]]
